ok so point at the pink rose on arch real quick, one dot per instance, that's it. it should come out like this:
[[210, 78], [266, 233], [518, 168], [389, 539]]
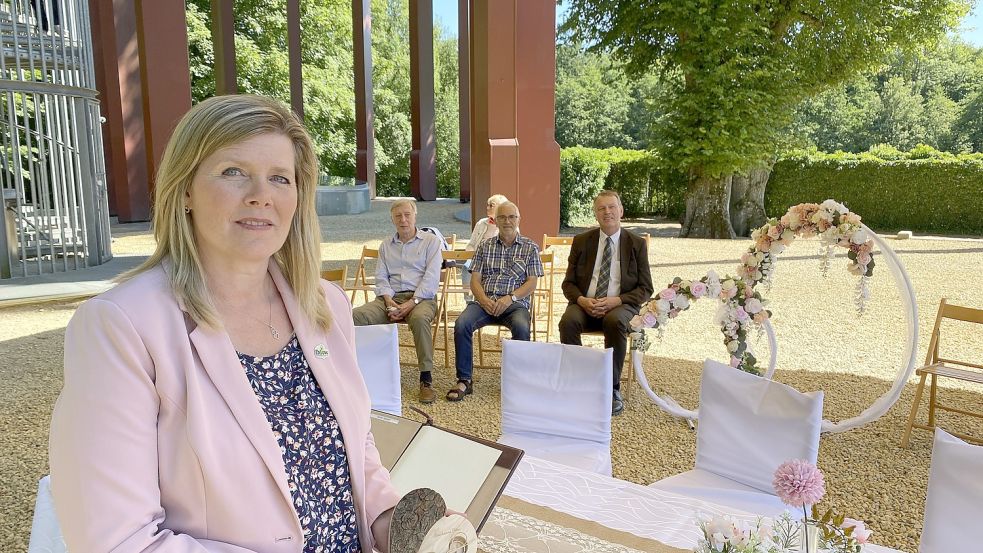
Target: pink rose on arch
[[860, 531], [735, 362], [863, 258], [760, 317], [774, 232], [698, 289], [635, 322], [763, 244], [668, 294], [740, 314], [649, 320], [674, 313]]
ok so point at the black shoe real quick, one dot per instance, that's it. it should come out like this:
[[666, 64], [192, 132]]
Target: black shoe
[[413, 517], [617, 403]]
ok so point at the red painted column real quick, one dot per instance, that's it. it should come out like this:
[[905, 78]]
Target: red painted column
[[364, 118], [293, 48], [514, 152], [539, 159], [162, 31], [423, 156], [464, 95], [129, 204], [494, 141], [224, 46]]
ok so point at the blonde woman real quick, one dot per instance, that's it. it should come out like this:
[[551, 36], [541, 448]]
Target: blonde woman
[[212, 400]]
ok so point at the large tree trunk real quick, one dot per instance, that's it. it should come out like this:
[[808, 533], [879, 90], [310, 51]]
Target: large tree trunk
[[747, 200], [707, 207]]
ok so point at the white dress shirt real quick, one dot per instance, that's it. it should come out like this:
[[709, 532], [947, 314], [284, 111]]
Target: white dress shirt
[[614, 283]]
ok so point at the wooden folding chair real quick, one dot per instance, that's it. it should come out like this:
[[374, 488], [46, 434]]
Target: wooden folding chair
[[627, 372], [537, 301], [361, 283], [548, 245], [542, 300], [338, 276], [451, 285], [936, 366]]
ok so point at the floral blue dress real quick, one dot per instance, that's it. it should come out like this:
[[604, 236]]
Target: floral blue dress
[[312, 446]]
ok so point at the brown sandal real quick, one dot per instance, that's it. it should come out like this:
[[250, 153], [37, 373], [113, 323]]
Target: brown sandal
[[457, 393]]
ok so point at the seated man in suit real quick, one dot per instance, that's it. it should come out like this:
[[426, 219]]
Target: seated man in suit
[[406, 280], [505, 269], [607, 280]]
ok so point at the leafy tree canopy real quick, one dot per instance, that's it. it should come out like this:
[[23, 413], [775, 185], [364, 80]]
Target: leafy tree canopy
[[736, 68]]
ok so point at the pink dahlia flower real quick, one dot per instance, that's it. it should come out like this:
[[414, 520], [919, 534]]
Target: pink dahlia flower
[[798, 483]]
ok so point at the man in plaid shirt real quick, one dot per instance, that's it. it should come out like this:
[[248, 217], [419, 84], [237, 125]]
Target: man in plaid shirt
[[505, 269]]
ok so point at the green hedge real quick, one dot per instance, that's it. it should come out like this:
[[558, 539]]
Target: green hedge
[[645, 185], [582, 174], [922, 190]]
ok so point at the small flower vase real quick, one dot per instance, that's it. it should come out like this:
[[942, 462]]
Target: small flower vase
[[808, 537]]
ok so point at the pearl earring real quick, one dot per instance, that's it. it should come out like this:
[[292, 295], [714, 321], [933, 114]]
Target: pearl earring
[[187, 210]]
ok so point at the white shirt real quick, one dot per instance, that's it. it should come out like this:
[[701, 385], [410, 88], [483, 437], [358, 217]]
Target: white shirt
[[614, 282]]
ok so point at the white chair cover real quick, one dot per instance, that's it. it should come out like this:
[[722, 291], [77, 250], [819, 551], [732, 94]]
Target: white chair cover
[[556, 403], [45, 531], [954, 505], [748, 426], [377, 349]]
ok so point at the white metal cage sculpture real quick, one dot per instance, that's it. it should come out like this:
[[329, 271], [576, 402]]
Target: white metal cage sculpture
[[55, 215]]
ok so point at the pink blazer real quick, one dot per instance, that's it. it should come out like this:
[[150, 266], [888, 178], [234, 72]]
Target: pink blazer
[[158, 442]]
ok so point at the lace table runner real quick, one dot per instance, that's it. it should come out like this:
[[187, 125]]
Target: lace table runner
[[520, 527]]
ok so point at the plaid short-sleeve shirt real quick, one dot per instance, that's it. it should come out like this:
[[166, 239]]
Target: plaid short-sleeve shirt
[[504, 269]]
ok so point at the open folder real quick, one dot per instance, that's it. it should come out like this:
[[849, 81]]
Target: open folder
[[468, 472]]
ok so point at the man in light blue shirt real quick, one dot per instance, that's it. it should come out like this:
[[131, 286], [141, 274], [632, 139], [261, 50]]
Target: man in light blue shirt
[[406, 280]]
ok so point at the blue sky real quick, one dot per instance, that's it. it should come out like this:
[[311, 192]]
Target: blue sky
[[971, 29]]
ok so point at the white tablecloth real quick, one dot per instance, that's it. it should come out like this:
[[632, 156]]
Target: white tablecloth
[[617, 504]]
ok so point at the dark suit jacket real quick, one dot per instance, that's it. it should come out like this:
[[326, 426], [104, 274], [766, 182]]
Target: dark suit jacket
[[636, 279]]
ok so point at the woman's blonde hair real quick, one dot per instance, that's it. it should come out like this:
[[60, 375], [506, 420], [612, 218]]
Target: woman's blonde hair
[[209, 126]]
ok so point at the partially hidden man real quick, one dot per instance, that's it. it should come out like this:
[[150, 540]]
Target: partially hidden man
[[607, 280]]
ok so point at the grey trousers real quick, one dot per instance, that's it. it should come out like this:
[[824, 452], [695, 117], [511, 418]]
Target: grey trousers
[[419, 320]]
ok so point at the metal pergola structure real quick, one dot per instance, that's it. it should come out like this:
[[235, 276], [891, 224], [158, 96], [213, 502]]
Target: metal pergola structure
[[55, 216]]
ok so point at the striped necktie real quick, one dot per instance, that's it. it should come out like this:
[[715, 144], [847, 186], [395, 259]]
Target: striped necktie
[[604, 275]]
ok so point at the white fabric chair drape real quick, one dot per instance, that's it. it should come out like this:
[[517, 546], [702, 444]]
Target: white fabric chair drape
[[954, 504], [377, 349], [748, 426], [556, 403], [45, 531]]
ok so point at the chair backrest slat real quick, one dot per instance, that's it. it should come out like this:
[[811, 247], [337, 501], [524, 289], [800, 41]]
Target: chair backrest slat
[[955, 313], [960, 313]]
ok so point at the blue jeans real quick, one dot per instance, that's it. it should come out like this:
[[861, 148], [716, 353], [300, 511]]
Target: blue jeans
[[516, 318]]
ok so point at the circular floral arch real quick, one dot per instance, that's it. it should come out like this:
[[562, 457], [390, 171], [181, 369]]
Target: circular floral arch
[[742, 305]]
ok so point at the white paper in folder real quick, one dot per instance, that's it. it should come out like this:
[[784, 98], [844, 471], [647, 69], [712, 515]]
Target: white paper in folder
[[453, 466]]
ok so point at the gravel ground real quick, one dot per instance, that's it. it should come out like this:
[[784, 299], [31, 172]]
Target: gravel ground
[[823, 345]]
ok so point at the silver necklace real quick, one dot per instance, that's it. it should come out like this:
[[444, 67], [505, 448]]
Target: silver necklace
[[273, 331]]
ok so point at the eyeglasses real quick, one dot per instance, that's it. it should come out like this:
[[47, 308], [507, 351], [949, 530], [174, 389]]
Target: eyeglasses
[[492, 204], [508, 217]]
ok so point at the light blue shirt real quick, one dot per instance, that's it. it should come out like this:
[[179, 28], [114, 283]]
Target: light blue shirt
[[414, 265]]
